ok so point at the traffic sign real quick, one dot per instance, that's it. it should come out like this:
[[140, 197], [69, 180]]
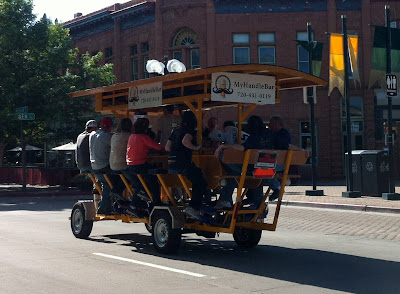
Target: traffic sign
[[21, 109], [26, 116], [391, 85]]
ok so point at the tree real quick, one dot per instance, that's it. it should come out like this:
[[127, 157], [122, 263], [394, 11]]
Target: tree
[[38, 68]]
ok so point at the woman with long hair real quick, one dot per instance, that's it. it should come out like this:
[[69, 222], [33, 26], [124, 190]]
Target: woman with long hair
[[181, 145], [138, 148]]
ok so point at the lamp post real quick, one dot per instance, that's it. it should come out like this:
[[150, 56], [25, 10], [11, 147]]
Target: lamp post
[[349, 193], [310, 98], [391, 195]]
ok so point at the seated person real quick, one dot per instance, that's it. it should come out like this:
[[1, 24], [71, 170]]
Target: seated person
[[229, 135], [82, 153], [209, 145], [166, 124], [136, 157], [181, 144], [119, 142], [260, 138], [281, 141], [99, 148]]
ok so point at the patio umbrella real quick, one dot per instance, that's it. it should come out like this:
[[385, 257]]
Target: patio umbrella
[[27, 148], [66, 147]]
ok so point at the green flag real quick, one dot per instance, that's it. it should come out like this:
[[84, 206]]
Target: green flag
[[316, 49], [378, 66]]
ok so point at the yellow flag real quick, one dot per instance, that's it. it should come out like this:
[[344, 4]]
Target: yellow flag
[[353, 52], [336, 64]]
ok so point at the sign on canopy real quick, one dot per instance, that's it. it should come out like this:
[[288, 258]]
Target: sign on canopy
[[244, 88]]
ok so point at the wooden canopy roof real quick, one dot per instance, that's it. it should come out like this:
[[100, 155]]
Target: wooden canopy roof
[[194, 86]]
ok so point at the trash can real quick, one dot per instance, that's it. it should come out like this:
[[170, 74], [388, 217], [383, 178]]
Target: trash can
[[356, 169], [375, 171]]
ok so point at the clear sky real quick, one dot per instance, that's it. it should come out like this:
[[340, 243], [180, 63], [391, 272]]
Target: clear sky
[[64, 10]]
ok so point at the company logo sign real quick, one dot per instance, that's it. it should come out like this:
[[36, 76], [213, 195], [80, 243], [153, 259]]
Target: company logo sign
[[246, 88], [145, 96]]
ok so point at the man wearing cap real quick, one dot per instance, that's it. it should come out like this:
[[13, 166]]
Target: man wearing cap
[[82, 155], [100, 147]]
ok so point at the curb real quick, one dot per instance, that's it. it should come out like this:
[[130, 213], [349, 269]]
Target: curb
[[354, 207]]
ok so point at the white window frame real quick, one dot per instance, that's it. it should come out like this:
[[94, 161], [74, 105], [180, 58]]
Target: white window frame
[[145, 58], [192, 66], [259, 55], [240, 35], [241, 47], [308, 135], [135, 72], [259, 34]]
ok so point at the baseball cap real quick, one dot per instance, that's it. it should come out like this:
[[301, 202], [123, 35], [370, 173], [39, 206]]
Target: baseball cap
[[107, 122], [91, 124]]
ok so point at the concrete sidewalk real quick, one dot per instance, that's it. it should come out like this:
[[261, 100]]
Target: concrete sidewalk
[[294, 196]]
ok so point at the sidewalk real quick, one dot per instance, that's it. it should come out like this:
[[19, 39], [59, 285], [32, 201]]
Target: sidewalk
[[294, 196]]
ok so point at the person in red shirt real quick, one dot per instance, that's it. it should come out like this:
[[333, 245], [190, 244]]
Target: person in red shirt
[[137, 150]]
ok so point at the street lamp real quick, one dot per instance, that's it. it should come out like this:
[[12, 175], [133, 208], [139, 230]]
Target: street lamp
[[173, 65]]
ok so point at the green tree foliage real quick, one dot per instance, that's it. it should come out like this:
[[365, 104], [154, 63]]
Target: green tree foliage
[[38, 68]]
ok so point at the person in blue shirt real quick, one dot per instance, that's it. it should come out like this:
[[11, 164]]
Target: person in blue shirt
[[282, 138]]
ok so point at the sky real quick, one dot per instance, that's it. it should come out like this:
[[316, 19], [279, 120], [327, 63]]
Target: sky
[[64, 10]]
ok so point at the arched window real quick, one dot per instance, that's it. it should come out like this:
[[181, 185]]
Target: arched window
[[185, 37], [185, 47]]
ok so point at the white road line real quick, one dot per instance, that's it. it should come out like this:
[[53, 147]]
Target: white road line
[[152, 265]]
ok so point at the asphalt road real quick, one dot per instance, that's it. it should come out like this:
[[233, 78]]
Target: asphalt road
[[312, 251]]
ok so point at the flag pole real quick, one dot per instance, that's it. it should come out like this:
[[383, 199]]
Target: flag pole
[[349, 193], [310, 97], [391, 195]]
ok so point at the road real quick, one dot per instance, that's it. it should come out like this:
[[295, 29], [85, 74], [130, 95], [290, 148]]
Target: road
[[313, 251]]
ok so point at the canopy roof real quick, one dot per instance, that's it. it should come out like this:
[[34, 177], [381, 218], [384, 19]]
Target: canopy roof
[[66, 147], [194, 86], [27, 148]]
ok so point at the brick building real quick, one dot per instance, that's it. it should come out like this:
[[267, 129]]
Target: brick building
[[205, 33]]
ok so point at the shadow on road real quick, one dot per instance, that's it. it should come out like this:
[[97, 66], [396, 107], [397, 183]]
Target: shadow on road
[[341, 272]]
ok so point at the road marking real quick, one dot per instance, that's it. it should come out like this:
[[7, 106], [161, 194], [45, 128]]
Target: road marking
[[152, 265]]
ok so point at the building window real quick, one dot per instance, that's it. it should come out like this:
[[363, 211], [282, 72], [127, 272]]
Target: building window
[[241, 38], [135, 69], [266, 54], [305, 138], [194, 58], [185, 48], [108, 52], [356, 122], [185, 37], [356, 108], [134, 50], [241, 55], [177, 55], [303, 62], [266, 37], [145, 47], [145, 73], [393, 24]]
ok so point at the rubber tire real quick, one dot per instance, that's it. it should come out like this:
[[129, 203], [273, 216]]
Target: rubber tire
[[149, 228], [166, 240], [80, 227], [247, 238]]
